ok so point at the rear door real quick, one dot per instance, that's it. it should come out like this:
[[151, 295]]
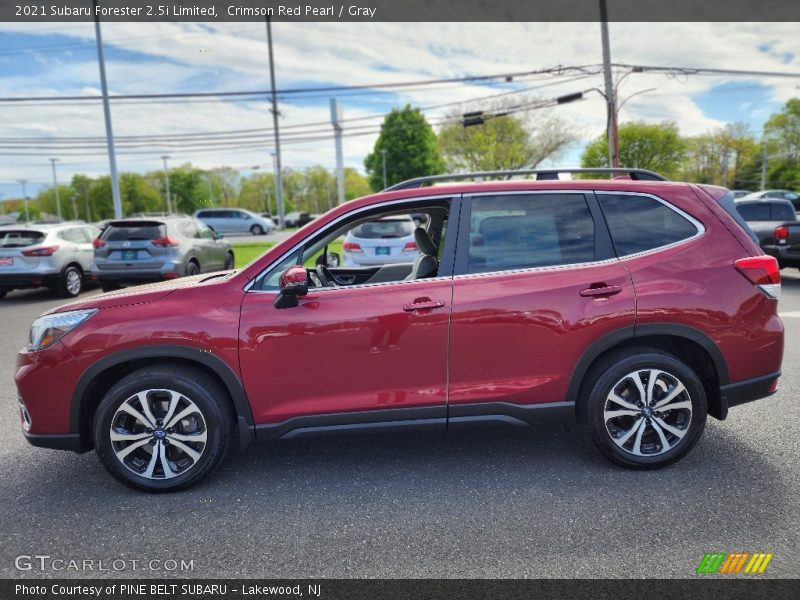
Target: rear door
[[536, 284]]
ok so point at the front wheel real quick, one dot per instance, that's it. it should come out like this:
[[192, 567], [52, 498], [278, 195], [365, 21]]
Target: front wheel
[[163, 429], [229, 261], [192, 269], [643, 408]]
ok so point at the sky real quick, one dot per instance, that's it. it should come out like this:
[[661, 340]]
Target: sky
[[51, 59]]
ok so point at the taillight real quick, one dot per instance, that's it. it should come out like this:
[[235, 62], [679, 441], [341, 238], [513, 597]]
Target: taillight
[[763, 272], [165, 242], [782, 234], [98, 243], [43, 251], [410, 246], [351, 247]]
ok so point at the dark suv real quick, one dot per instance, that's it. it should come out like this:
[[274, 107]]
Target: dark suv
[[637, 305]]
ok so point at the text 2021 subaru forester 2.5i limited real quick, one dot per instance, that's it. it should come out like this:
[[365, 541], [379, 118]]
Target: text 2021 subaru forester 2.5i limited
[[636, 304]]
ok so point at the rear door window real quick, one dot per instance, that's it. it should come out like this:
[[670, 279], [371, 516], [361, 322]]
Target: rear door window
[[523, 231], [783, 212], [641, 223], [754, 211]]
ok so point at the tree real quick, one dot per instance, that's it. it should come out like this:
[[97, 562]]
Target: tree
[[506, 142], [411, 149], [355, 185], [720, 156], [654, 146]]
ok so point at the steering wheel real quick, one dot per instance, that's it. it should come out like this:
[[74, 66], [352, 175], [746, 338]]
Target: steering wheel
[[325, 275]]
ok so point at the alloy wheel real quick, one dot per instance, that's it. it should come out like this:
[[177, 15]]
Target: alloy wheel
[[73, 282], [648, 412], [158, 434]]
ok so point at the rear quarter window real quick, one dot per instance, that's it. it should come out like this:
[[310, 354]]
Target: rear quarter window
[[641, 223], [783, 212], [755, 211]]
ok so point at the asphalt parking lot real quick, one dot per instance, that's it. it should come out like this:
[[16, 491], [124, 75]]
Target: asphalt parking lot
[[528, 503]]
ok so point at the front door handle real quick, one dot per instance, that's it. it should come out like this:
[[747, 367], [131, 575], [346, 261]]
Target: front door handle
[[606, 290], [423, 305]]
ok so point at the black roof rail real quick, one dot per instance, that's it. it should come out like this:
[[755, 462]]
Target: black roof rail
[[541, 174]]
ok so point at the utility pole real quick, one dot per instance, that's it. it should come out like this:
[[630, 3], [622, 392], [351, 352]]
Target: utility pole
[[336, 121], [166, 183], [278, 166], [764, 166], [112, 156], [611, 100], [86, 202], [55, 186], [25, 199], [383, 156]]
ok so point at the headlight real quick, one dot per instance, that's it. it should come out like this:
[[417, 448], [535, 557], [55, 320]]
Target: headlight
[[47, 330]]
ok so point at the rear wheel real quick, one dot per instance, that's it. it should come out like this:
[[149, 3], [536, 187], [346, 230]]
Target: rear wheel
[[163, 429], [643, 408], [71, 282], [192, 269], [257, 230], [3, 293]]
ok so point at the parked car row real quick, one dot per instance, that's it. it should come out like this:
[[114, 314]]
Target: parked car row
[[64, 257], [775, 225]]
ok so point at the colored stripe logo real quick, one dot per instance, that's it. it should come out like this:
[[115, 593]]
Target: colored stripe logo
[[739, 562]]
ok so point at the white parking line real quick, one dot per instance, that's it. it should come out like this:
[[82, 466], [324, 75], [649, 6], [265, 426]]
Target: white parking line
[[792, 314]]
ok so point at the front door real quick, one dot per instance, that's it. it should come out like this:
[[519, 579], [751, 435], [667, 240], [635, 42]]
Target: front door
[[536, 283], [373, 350]]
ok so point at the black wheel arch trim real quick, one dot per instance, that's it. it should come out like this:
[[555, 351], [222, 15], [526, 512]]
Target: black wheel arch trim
[[194, 354], [608, 341]]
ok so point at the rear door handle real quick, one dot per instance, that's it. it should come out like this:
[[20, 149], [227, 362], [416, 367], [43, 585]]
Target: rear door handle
[[424, 305], [608, 290]]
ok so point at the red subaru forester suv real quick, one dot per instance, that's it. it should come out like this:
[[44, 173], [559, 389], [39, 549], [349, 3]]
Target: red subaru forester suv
[[635, 304]]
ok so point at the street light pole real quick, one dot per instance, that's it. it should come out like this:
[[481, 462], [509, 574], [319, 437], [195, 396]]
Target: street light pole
[[611, 101], [764, 166], [166, 182], [383, 156], [55, 186], [25, 199], [277, 154], [112, 156]]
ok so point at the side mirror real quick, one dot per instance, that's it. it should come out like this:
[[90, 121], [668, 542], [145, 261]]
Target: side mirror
[[218, 235], [334, 260], [293, 284]]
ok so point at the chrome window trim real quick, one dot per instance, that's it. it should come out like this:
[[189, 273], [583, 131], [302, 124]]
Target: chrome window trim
[[339, 219], [697, 224], [569, 266]]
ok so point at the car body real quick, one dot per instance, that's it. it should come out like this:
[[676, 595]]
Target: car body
[[235, 220], [130, 251], [740, 193], [296, 219], [383, 241], [777, 227], [793, 197], [638, 307], [55, 256]]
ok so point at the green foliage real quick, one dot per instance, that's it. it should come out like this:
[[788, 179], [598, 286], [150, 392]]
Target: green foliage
[[654, 146], [411, 149], [721, 157], [506, 142]]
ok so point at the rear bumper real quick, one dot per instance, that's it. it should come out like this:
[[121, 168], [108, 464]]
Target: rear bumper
[[56, 441], [742, 392], [28, 280], [786, 256]]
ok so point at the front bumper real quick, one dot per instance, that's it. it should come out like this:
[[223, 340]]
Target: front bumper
[[56, 441]]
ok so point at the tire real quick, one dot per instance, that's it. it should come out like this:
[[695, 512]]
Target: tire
[[607, 421], [229, 261], [108, 286], [257, 230], [192, 268], [71, 283], [208, 417], [3, 294]]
